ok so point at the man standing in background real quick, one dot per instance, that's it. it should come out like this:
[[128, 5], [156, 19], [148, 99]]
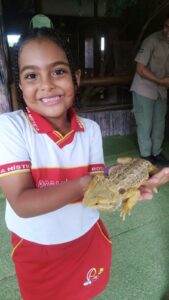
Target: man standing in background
[[149, 90]]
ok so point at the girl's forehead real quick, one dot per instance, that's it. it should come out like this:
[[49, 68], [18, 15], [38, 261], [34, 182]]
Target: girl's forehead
[[40, 42], [41, 49]]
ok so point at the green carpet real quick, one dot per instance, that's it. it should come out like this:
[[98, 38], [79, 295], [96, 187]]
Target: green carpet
[[140, 266]]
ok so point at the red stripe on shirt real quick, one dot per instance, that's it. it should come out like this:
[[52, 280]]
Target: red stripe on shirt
[[52, 176], [15, 166]]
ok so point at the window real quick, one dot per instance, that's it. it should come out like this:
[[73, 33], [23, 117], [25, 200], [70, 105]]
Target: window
[[12, 39]]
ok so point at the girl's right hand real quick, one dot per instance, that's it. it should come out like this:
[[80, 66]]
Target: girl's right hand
[[84, 182]]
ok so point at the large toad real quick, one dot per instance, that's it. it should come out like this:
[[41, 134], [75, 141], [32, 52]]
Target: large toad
[[121, 187]]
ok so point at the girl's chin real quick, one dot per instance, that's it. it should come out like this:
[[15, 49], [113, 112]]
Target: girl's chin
[[52, 113]]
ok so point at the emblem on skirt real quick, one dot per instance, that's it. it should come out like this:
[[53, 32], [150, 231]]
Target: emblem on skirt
[[92, 275]]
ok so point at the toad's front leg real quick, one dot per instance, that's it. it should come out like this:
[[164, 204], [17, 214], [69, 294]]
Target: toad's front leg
[[132, 196]]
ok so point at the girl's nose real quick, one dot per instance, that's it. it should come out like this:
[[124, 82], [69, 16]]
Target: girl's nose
[[47, 84]]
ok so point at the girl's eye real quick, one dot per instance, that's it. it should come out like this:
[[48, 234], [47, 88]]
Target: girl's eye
[[30, 76], [59, 72]]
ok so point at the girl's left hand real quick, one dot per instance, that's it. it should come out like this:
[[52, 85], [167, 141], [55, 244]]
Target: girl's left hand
[[157, 180], [146, 193]]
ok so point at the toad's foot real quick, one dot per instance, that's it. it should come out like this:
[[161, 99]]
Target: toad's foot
[[132, 197]]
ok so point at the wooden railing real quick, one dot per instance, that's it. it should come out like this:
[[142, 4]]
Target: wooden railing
[[105, 81]]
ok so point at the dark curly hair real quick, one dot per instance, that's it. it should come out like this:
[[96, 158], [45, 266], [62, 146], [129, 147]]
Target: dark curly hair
[[166, 17], [61, 41]]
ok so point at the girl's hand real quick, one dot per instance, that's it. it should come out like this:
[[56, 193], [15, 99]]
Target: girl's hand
[[84, 182], [146, 193], [158, 179], [153, 183]]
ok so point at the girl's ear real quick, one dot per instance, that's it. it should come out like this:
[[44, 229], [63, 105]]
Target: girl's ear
[[78, 75], [20, 86]]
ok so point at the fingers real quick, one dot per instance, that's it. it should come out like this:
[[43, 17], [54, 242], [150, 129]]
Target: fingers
[[84, 182], [145, 193], [151, 184], [158, 179]]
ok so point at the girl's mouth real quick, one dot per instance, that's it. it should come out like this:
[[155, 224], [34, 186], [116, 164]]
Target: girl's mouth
[[52, 100]]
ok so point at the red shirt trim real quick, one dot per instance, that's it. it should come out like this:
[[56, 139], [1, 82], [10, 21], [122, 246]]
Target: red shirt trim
[[15, 167], [53, 175], [41, 125]]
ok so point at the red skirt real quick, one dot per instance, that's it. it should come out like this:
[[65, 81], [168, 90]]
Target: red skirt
[[76, 270]]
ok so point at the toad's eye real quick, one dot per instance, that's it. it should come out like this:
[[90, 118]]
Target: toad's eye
[[30, 76], [122, 191]]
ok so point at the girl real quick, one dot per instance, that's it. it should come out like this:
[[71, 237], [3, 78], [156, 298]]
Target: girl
[[61, 249]]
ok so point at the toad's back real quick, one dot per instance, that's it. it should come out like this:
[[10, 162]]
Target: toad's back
[[131, 174]]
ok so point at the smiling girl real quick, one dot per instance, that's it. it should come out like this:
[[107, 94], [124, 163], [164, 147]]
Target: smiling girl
[[61, 249]]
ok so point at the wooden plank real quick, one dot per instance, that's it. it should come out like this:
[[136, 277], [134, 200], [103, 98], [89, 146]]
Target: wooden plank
[[109, 80]]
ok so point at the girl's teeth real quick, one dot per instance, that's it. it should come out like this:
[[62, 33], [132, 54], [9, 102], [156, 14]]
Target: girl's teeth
[[46, 100]]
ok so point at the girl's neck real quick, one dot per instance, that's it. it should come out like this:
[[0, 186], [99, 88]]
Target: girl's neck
[[62, 124]]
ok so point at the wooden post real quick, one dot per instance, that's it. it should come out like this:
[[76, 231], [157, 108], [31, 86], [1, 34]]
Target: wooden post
[[38, 6], [96, 40]]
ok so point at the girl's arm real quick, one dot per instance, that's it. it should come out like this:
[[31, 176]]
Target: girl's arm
[[28, 201]]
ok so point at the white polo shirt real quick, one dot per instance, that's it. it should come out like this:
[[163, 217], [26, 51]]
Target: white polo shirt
[[28, 143]]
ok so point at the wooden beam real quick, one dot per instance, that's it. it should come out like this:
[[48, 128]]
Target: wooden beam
[[109, 80], [38, 6]]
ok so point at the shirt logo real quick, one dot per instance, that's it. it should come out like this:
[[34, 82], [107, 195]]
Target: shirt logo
[[141, 50], [92, 275]]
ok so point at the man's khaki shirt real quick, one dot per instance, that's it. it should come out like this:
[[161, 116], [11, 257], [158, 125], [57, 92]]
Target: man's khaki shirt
[[154, 54]]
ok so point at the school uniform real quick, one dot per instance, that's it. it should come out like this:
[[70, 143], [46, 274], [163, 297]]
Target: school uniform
[[64, 254]]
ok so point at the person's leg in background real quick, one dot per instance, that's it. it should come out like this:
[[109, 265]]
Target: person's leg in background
[[143, 109], [158, 130]]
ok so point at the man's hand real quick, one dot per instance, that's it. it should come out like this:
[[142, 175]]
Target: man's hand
[[145, 72], [164, 82]]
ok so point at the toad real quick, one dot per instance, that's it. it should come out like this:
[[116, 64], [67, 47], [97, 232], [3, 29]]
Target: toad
[[120, 188]]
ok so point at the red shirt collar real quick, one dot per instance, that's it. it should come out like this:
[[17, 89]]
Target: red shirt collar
[[41, 125]]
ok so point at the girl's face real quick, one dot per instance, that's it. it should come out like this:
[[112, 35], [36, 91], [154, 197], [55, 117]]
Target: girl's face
[[45, 78]]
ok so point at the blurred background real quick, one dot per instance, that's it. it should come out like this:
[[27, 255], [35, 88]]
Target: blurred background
[[104, 35]]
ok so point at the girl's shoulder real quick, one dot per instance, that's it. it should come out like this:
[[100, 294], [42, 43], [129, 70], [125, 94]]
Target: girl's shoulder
[[12, 114], [16, 118], [87, 123], [17, 114]]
